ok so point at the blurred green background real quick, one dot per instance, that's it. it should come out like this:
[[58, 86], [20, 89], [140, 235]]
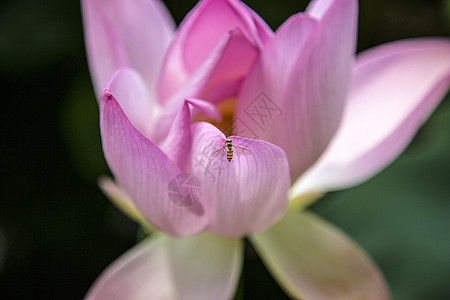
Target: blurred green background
[[58, 232]]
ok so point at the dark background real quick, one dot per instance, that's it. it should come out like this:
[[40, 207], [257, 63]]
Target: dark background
[[57, 230]]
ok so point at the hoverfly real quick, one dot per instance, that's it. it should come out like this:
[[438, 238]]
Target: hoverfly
[[229, 146]]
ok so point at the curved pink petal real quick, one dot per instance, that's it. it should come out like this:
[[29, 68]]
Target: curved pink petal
[[295, 94], [313, 260], [246, 194], [262, 30], [210, 110], [395, 88], [178, 143], [237, 60], [318, 8], [161, 267], [126, 33], [132, 93], [208, 75], [144, 172], [199, 33]]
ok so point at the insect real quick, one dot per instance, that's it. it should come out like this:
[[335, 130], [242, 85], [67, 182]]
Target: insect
[[229, 146]]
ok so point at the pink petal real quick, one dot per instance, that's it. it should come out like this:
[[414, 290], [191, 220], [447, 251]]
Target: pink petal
[[131, 91], [210, 110], [178, 143], [395, 88], [144, 172], [244, 195], [295, 94], [199, 267], [233, 66], [312, 259], [126, 33], [261, 29], [231, 45], [199, 33], [318, 8]]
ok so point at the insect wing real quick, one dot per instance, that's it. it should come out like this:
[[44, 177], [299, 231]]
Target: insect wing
[[219, 152], [241, 150]]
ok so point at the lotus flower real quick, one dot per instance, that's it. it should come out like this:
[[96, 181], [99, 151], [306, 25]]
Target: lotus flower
[[307, 117]]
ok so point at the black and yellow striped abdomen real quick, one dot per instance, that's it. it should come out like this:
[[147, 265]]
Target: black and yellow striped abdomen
[[229, 154], [229, 145]]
